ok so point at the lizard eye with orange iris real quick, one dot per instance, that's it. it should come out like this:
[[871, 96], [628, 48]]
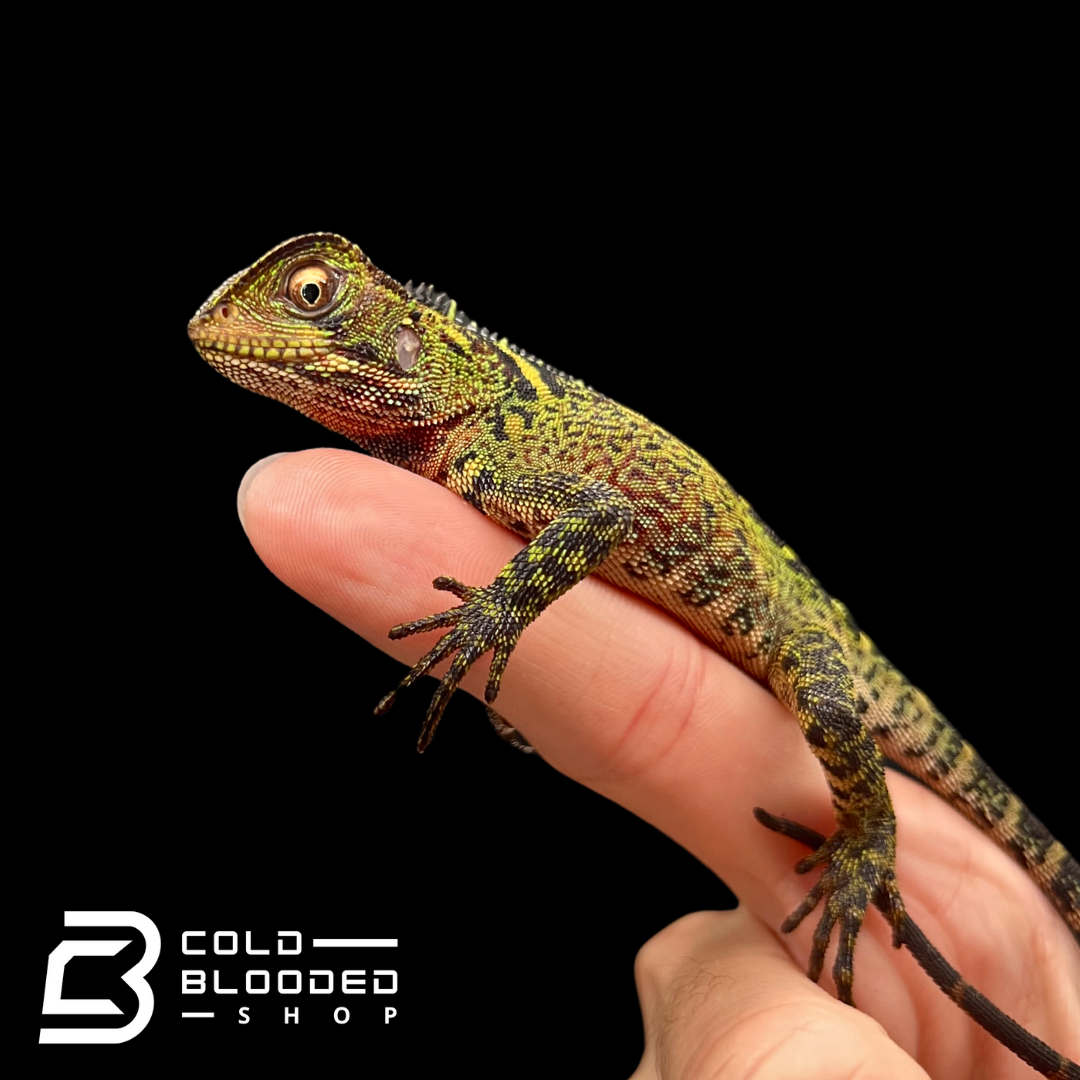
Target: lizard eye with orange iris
[[311, 288]]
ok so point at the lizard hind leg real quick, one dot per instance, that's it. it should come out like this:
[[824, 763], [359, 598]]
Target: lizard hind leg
[[809, 673], [984, 1012]]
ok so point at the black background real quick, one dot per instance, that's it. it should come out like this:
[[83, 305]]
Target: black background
[[875, 288]]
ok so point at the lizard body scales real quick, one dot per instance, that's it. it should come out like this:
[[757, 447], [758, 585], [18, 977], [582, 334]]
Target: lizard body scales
[[593, 487]]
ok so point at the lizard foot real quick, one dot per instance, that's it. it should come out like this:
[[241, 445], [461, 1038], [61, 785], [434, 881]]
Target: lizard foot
[[486, 620], [859, 870]]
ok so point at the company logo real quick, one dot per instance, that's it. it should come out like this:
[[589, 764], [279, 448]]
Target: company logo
[[55, 1004], [253, 976]]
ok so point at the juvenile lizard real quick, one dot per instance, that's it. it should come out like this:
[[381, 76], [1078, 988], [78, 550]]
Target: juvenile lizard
[[594, 487]]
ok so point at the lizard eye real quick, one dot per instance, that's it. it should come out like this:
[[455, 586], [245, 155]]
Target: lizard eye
[[311, 288]]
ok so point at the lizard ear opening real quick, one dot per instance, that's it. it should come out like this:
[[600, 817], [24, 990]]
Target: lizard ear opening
[[408, 348]]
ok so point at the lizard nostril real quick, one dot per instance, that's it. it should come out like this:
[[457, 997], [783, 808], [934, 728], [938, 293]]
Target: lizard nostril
[[222, 312]]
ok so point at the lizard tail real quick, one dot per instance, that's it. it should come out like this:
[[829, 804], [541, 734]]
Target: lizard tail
[[1042, 1058], [982, 1010], [910, 730]]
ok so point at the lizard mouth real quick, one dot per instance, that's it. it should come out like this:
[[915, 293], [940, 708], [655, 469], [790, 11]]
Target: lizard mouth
[[210, 337]]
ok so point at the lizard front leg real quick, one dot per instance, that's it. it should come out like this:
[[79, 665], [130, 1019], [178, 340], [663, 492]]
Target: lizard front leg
[[809, 673], [586, 521]]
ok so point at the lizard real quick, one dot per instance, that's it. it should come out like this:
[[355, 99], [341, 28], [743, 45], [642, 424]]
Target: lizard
[[593, 487]]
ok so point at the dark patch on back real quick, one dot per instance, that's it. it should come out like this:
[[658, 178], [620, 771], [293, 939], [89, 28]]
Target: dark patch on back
[[902, 702], [549, 378], [522, 387], [1065, 883], [552, 378], [978, 776], [946, 757], [1034, 836], [994, 797], [937, 726], [525, 390]]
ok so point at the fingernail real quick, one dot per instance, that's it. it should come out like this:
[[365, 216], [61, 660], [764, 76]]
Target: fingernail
[[249, 476]]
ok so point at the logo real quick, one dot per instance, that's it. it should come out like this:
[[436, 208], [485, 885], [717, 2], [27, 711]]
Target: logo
[[55, 1004], [217, 981]]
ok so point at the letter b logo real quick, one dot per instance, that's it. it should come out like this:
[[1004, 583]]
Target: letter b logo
[[56, 1004]]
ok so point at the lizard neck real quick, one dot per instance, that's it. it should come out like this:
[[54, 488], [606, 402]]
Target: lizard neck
[[425, 449]]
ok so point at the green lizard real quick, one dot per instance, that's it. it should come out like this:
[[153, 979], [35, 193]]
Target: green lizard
[[594, 487]]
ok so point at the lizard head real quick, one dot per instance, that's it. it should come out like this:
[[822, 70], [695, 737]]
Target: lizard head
[[316, 325]]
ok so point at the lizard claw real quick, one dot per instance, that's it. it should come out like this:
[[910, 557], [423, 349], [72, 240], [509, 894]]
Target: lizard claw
[[386, 703], [452, 585]]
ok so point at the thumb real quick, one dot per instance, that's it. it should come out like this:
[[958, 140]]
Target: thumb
[[720, 997]]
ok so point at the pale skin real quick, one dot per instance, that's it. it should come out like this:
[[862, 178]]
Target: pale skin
[[647, 715]]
